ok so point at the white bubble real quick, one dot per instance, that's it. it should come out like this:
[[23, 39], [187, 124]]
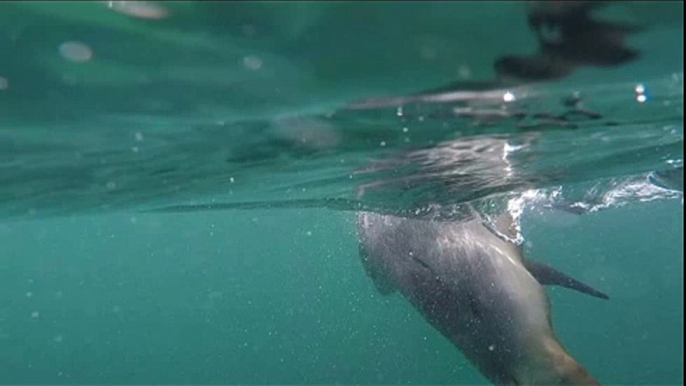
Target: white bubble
[[139, 136], [382, 144], [249, 30], [139, 9], [428, 53], [4, 83], [232, 180], [69, 79], [309, 233], [58, 339], [252, 62], [29, 294], [111, 185], [509, 97], [464, 72], [35, 314], [405, 129], [491, 347], [641, 98], [76, 52]]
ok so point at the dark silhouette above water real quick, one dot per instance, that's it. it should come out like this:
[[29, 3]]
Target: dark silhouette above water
[[568, 37]]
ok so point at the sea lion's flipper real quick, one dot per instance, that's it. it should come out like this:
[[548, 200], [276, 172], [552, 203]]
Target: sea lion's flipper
[[380, 280], [547, 275]]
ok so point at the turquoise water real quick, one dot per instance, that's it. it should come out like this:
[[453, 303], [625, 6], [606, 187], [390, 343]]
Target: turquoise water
[[250, 297], [178, 187]]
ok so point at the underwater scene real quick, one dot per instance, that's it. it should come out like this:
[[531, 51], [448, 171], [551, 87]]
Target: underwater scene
[[341, 192]]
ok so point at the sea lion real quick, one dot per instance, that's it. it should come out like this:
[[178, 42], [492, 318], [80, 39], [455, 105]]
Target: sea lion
[[478, 290]]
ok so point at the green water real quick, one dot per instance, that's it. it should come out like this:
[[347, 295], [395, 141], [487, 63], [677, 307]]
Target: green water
[[280, 297], [178, 205]]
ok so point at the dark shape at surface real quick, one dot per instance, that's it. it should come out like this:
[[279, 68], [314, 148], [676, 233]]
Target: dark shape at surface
[[568, 37]]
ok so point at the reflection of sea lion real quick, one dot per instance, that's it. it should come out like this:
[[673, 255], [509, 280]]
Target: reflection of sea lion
[[568, 37], [478, 291]]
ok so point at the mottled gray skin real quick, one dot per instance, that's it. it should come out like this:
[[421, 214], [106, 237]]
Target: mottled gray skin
[[472, 286]]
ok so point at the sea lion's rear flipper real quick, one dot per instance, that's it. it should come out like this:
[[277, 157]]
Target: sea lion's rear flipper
[[547, 275], [379, 278]]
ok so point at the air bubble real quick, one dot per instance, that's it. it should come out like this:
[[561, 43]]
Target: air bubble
[[76, 52]]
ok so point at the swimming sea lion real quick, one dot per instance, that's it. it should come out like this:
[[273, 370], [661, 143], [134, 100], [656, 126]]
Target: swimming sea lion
[[478, 290]]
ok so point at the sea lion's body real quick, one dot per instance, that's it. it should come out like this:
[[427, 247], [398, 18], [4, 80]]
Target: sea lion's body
[[476, 289]]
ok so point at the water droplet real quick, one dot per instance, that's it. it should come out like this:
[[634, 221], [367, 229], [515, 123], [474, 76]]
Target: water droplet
[[405, 129], [309, 233], [139, 9], [111, 185], [4, 83], [35, 314], [58, 339], [232, 180], [428, 53], [139, 136], [252, 62], [75, 52], [491, 347], [29, 294], [382, 144], [249, 30], [399, 112], [69, 79], [464, 72]]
